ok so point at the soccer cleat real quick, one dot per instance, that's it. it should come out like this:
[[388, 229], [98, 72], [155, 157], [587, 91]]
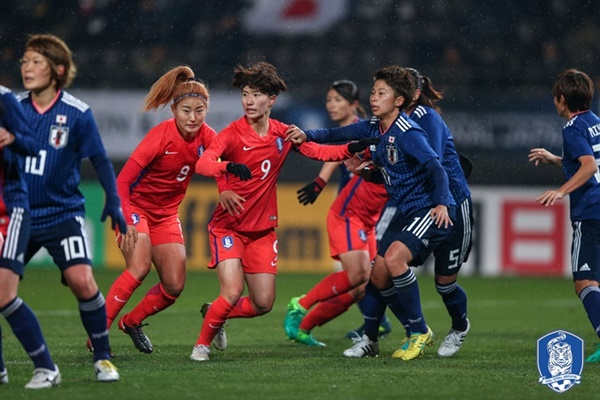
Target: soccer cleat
[[44, 378], [140, 340], [293, 318], [417, 343], [106, 371], [595, 356], [4, 377], [403, 346], [200, 353], [453, 341], [89, 346], [363, 348], [308, 339], [220, 339]]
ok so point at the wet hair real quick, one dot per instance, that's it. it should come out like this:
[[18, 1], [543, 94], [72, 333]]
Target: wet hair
[[175, 85], [576, 87], [349, 91], [400, 80], [261, 76], [429, 96], [56, 53]]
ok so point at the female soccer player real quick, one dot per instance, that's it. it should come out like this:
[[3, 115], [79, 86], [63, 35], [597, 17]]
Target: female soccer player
[[350, 226], [416, 182], [65, 129], [16, 141], [449, 255], [243, 243], [152, 185], [573, 91]]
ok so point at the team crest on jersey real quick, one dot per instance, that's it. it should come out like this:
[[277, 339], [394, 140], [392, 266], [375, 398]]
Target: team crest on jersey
[[560, 360], [392, 153], [136, 218], [59, 136], [227, 242], [362, 235], [279, 143], [200, 150]]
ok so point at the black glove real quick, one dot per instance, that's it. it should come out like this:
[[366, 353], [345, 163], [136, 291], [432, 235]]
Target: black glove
[[309, 193], [357, 147], [239, 170], [466, 165]]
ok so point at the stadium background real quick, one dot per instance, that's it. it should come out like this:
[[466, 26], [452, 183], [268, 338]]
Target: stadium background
[[495, 62]]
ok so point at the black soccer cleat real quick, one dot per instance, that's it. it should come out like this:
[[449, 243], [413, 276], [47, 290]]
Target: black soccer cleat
[[140, 340]]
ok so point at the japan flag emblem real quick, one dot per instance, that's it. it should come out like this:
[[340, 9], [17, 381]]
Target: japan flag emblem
[[59, 136]]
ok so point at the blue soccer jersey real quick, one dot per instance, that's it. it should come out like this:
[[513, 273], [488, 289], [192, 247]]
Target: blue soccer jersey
[[581, 137], [13, 120], [442, 142], [401, 155], [67, 133]]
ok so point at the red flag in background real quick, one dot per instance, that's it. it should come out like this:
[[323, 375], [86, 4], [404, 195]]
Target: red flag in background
[[294, 17]]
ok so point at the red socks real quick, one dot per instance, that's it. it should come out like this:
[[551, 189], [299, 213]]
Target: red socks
[[213, 321], [326, 311], [118, 295], [243, 309], [155, 301], [330, 286]]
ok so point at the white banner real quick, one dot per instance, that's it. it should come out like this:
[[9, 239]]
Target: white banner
[[294, 17], [122, 124]]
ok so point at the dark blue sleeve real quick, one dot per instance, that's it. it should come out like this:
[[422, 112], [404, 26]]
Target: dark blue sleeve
[[91, 143], [13, 119], [436, 133], [341, 134], [441, 188], [106, 174]]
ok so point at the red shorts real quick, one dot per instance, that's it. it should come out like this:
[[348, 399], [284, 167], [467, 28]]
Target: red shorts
[[161, 229], [349, 233], [257, 250]]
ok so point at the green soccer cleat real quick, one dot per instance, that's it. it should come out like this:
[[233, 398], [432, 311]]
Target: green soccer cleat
[[417, 343], [385, 327], [293, 317], [595, 356], [308, 339]]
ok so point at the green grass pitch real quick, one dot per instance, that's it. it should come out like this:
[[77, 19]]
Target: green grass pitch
[[497, 360]]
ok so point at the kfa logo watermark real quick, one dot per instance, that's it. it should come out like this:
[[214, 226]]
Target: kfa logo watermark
[[560, 360]]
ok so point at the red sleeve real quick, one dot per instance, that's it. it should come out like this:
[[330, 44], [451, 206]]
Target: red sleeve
[[130, 172], [208, 164], [324, 152]]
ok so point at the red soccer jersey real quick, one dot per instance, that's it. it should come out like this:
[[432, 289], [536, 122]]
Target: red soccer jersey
[[264, 156], [361, 199], [159, 170]]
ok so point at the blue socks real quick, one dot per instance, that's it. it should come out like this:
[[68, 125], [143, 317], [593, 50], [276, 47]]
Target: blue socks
[[373, 308], [93, 316], [590, 297], [26, 328], [408, 295], [455, 299]]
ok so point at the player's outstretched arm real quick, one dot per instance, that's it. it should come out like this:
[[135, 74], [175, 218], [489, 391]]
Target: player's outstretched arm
[[112, 206]]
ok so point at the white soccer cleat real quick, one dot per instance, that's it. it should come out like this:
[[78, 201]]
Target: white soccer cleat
[[44, 378], [220, 339], [106, 371], [453, 341], [363, 348], [4, 377], [200, 353]]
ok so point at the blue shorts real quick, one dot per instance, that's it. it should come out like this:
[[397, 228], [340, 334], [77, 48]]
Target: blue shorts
[[585, 250], [455, 250], [67, 243], [418, 233], [15, 242]]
